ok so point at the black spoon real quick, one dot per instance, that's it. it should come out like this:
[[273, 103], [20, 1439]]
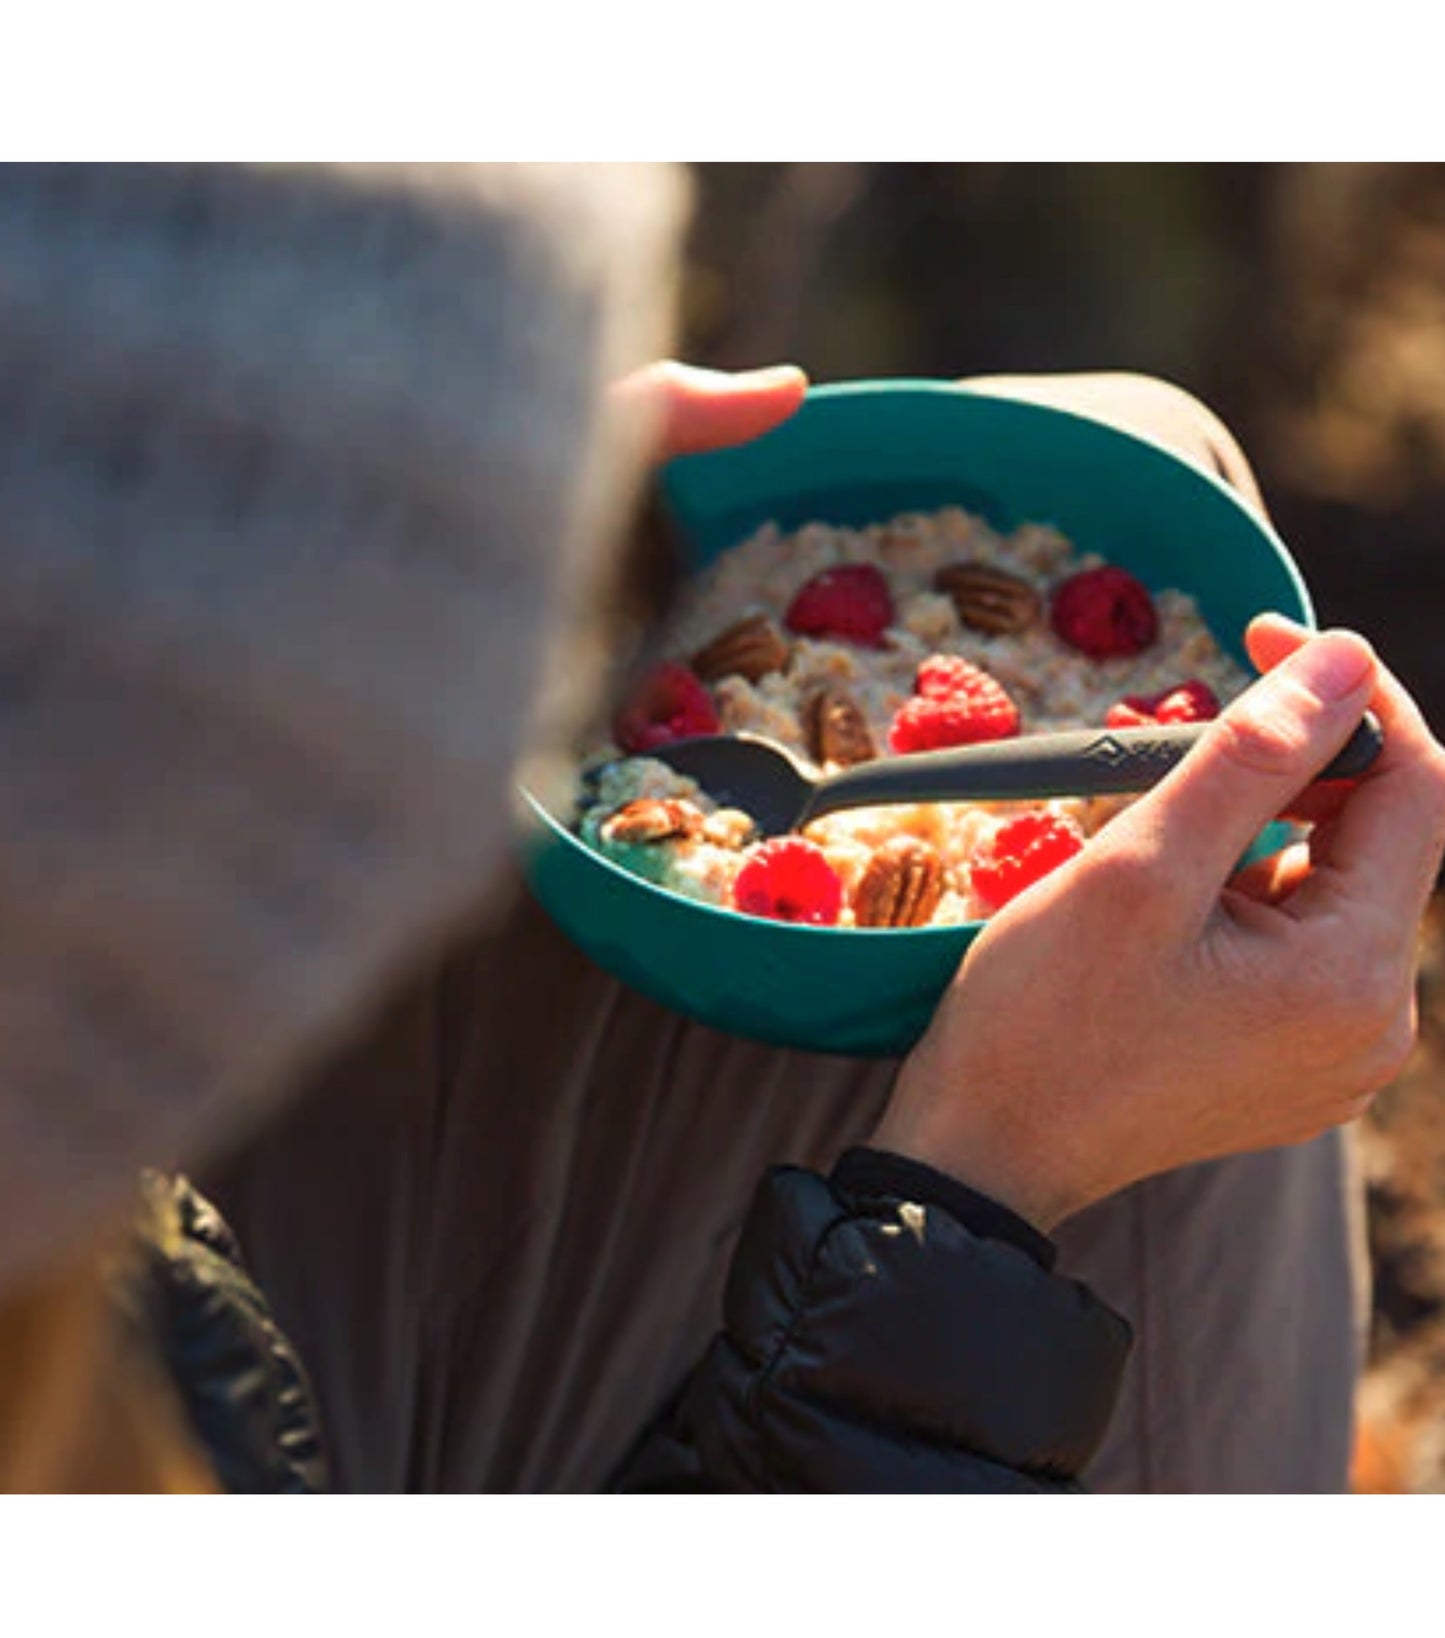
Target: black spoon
[[771, 786]]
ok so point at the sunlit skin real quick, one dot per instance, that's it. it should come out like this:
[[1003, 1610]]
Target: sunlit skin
[[697, 410], [1234, 1011], [1142, 1008]]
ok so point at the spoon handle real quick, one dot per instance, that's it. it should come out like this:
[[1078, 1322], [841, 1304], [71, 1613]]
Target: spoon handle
[[1082, 762]]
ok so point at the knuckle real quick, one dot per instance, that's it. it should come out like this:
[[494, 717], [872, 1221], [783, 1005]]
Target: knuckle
[[1434, 793], [1381, 989], [1355, 999], [1311, 978], [1420, 802], [1379, 1040], [1305, 994], [1369, 1003], [1259, 744], [1394, 1049], [1429, 782], [1357, 1107], [1178, 403]]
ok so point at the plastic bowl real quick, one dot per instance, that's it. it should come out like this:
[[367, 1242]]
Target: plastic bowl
[[860, 453]]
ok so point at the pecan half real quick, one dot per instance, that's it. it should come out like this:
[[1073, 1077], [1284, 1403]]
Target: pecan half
[[836, 729], [990, 599], [901, 886], [650, 819], [751, 648]]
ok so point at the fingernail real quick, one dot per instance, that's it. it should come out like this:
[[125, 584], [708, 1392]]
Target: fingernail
[[1282, 619], [1334, 665], [773, 375]]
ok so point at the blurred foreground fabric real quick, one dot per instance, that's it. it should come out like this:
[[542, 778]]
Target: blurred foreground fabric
[[293, 460]]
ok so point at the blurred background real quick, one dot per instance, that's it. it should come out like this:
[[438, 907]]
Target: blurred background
[[1305, 304]]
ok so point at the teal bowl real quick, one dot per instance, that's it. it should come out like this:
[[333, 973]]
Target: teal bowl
[[859, 453]]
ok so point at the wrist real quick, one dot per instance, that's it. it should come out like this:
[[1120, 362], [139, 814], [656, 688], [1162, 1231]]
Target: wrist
[[863, 1173], [1017, 1182]]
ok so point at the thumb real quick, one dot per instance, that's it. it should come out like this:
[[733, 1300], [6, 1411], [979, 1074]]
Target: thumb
[[694, 409], [1252, 762]]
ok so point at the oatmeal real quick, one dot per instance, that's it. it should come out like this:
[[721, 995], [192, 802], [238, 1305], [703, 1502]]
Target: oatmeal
[[845, 644]]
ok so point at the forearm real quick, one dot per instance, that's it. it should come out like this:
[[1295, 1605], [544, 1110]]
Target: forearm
[[873, 1341]]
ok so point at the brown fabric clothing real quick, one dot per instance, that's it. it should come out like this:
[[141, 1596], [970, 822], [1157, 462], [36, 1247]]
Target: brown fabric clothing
[[497, 1227]]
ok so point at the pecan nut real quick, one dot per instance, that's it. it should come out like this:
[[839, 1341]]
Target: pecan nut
[[751, 648], [990, 599], [836, 729], [901, 887], [651, 819]]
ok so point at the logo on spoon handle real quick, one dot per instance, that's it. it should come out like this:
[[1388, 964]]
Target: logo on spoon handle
[[1149, 755]]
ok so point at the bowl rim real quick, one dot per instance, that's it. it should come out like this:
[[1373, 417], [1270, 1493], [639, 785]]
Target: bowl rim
[[944, 389]]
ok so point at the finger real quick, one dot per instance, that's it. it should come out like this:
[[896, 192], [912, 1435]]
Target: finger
[[1276, 878], [1382, 843], [1272, 638], [1383, 848], [697, 410], [1321, 802], [1251, 763]]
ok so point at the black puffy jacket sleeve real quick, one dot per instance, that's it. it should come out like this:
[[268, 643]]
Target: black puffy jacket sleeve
[[873, 1342], [239, 1381]]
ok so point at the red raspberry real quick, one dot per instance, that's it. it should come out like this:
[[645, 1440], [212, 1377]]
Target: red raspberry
[[789, 879], [1021, 852], [1191, 701], [1103, 612], [851, 602], [941, 676], [670, 703], [957, 705]]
